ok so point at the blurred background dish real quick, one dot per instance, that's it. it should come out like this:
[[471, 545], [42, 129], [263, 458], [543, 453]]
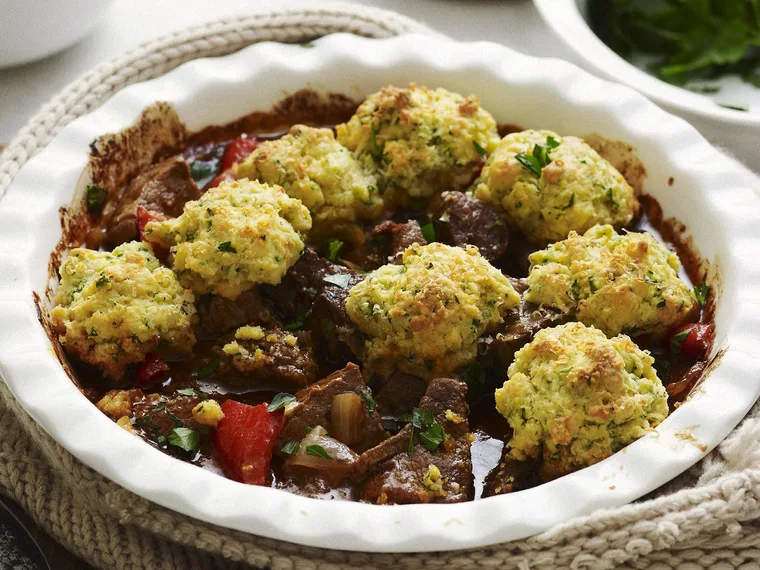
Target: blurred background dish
[[32, 30], [726, 109]]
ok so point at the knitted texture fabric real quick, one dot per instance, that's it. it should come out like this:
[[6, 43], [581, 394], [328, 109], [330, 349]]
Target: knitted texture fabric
[[709, 517]]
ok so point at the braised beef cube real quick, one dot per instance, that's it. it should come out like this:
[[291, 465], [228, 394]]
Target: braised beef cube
[[268, 356], [154, 417], [219, 316], [521, 324], [440, 476], [400, 392], [463, 220], [401, 237], [314, 407], [163, 188], [337, 340], [511, 475], [293, 296]]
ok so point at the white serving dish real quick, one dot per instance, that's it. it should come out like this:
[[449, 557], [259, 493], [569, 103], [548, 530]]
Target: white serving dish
[[708, 195], [738, 131]]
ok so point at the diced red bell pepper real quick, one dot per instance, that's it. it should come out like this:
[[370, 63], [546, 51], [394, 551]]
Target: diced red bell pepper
[[244, 439], [240, 148], [691, 340], [224, 176], [151, 370], [143, 217]]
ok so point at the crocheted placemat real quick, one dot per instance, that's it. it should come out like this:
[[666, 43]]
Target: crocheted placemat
[[709, 517]]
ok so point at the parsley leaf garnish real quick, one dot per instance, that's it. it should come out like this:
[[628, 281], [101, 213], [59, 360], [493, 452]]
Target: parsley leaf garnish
[[428, 232], [701, 292], [333, 248], [280, 401], [299, 322], [291, 448], [340, 279], [201, 169], [479, 149], [536, 161], [96, 198], [677, 339], [377, 152], [431, 432], [208, 368], [369, 399], [192, 392], [432, 437], [226, 246], [318, 451], [102, 280], [185, 438]]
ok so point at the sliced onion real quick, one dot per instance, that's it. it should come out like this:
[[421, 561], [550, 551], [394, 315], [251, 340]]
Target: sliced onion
[[347, 418], [341, 459]]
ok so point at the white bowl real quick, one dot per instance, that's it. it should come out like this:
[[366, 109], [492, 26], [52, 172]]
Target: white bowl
[[707, 194], [737, 130], [33, 29]]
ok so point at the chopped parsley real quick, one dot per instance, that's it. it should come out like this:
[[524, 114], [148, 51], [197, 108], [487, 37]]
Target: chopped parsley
[[185, 438], [428, 232], [102, 280], [226, 246], [299, 322], [280, 401], [208, 368], [702, 292], [192, 392], [480, 150], [539, 159], [377, 152], [371, 405], [431, 433], [333, 249], [291, 448], [96, 198], [318, 451], [432, 437], [677, 339], [201, 169], [341, 280]]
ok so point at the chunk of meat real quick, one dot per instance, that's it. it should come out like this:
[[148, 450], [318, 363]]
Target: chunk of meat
[[463, 220], [400, 392], [271, 356], [521, 324], [219, 316], [164, 187], [155, 416], [313, 403], [511, 475], [440, 476], [401, 236]]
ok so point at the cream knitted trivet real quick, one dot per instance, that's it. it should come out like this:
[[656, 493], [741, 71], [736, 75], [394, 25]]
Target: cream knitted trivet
[[706, 518]]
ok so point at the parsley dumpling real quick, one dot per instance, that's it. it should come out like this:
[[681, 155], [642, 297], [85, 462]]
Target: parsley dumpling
[[314, 168], [575, 397], [116, 307], [236, 236], [548, 186], [420, 141], [425, 316], [618, 283]]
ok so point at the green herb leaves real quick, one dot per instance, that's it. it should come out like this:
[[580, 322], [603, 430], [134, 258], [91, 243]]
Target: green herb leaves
[[333, 249], [96, 198], [677, 339], [377, 152], [226, 246], [318, 451], [431, 433], [291, 448], [371, 405], [428, 232], [299, 322], [702, 292], [185, 438], [280, 401], [536, 161], [341, 280], [209, 368], [201, 169], [690, 39], [479, 149]]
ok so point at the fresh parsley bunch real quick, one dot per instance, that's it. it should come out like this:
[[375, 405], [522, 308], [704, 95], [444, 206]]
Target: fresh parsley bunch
[[690, 39]]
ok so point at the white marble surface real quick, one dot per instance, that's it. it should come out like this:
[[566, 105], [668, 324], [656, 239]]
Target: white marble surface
[[129, 23]]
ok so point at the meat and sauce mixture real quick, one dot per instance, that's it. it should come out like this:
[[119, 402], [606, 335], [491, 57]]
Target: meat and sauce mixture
[[397, 302]]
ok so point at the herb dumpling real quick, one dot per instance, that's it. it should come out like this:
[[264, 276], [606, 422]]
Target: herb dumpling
[[575, 397], [314, 168], [115, 307], [424, 316], [618, 283], [548, 186], [421, 141], [236, 236]]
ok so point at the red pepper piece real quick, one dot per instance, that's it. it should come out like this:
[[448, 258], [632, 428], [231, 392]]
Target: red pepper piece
[[691, 340], [224, 176], [151, 370], [240, 148], [143, 217], [244, 439]]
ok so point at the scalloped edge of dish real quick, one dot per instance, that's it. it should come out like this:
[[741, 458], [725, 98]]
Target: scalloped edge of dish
[[541, 92]]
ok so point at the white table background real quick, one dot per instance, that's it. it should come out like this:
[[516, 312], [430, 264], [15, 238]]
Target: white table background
[[129, 23]]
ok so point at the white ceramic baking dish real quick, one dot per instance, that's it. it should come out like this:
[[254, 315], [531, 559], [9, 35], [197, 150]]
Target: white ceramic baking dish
[[707, 194]]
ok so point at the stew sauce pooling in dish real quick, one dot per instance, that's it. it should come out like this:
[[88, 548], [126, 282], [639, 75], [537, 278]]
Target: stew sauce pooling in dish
[[409, 307]]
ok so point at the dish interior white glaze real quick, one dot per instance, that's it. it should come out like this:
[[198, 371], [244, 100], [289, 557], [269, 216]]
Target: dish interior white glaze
[[708, 195]]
